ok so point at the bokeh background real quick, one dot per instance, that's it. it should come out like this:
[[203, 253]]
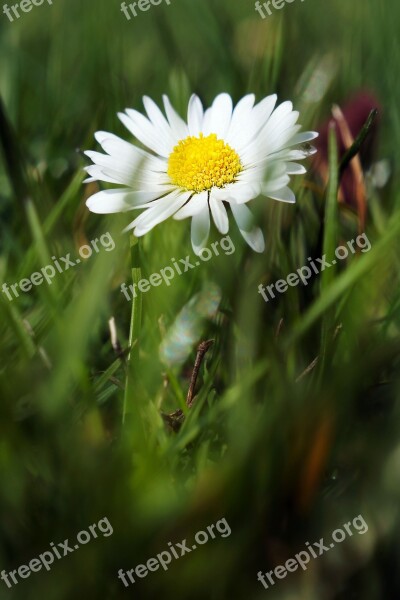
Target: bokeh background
[[295, 426]]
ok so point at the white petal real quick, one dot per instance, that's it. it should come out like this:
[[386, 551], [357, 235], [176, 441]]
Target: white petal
[[195, 205], [295, 168], [219, 116], [273, 170], [113, 201], [178, 125], [255, 239], [283, 195], [242, 110], [123, 150], [272, 176], [263, 110], [280, 113], [243, 217], [244, 220], [154, 113], [272, 185], [244, 125], [159, 121], [238, 192], [200, 230], [278, 132], [144, 131], [123, 170], [219, 215], [146, 181], [270, 141], [137, 180], [280, 117], [158, 211], [206, 120], [288, 155], [112, 144], [96, 174], [195, 115], [305, 136], [252, 174], [104, 160], [103, 135], [280, 138]]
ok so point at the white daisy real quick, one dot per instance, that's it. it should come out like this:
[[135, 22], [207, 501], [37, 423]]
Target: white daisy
[[221, 156]]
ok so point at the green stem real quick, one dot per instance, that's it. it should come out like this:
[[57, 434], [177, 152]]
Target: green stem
[[135, 327], [355, 148], [329, 247]]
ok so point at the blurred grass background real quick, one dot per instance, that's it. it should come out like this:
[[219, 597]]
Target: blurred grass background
[[284, 460]]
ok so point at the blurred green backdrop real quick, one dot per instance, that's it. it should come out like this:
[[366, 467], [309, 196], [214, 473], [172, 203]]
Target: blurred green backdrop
[[284, 460]]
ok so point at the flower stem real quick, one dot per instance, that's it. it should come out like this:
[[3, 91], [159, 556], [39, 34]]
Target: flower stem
[[135, 326]]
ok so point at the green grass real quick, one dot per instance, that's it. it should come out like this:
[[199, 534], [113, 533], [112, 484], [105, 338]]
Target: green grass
[[284, 459]]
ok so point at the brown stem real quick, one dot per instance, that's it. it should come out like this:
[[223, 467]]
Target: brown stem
[[175, 419], [201, 352]]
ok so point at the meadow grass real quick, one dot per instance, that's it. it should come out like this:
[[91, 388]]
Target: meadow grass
[[294, 426]]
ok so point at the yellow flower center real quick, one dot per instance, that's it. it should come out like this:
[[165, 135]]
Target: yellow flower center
[[199, 163]]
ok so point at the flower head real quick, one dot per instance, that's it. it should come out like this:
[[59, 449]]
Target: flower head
[[222, 157]]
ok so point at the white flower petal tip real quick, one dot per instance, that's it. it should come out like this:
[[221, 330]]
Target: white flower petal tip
[[245, 222], [315, 134], [255, 239], [283, 195], [200, 230], [103, 206], [196, 168]]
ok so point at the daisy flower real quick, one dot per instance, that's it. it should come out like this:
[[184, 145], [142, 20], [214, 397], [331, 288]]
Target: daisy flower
[[220, 158]]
